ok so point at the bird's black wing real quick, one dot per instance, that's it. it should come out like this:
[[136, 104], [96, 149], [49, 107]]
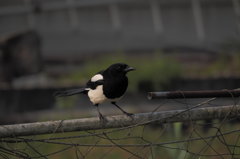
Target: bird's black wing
[[94, 84]]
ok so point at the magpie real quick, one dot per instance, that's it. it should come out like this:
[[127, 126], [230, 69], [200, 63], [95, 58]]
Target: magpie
[[107, 85]]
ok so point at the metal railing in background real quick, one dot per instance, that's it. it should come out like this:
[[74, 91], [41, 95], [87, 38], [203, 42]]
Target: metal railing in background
[[160, 22]]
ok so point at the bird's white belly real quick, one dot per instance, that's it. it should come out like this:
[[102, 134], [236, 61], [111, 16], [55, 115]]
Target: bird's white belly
[[96, 96]]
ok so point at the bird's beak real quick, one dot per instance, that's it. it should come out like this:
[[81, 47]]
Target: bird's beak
[[129, 69]]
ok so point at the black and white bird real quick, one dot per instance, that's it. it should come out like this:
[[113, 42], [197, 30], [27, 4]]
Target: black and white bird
[[107, 85]]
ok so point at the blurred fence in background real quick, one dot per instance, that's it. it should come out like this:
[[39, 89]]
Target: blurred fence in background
[[82, 27]]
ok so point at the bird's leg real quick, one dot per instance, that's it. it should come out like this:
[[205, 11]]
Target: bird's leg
[[101, 117], [128, 114]]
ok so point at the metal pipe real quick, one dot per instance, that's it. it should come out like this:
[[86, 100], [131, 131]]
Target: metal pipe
[[119, 121], [194, 94]]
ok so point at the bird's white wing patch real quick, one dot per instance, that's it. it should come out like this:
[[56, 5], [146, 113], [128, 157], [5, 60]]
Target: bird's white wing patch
[[97, 77]]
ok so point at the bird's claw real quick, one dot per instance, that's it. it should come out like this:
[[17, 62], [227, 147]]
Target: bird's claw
[[129, 115], [102, 119]]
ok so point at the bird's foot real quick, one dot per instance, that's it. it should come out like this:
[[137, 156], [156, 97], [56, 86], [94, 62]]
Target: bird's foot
[[102, 119], [129, 114]]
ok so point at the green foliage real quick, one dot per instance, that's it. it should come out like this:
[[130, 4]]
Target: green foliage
[[157, 68], [222, 65], [219, 66]]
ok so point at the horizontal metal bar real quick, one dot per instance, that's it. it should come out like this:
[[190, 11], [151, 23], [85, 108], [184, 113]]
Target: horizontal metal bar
[[120, 121], [194, 94], [51, 6], [14, 10]]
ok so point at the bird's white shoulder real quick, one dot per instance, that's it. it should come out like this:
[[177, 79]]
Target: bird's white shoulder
[[96, 77]]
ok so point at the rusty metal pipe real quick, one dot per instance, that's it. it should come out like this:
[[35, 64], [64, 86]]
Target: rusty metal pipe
[[194, 94]]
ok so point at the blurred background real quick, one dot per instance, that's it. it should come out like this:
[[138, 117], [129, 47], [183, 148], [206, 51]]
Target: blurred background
[[49, 45]]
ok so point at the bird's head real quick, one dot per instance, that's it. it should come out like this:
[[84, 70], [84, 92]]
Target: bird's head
[[119, 69]]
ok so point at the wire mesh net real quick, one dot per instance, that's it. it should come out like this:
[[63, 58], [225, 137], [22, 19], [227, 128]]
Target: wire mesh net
[[206, 138]]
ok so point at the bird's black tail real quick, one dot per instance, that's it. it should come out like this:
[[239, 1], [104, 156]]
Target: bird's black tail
[[69, 92]]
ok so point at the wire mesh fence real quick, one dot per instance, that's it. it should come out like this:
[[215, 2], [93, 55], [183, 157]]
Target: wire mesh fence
[[203, 129]]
